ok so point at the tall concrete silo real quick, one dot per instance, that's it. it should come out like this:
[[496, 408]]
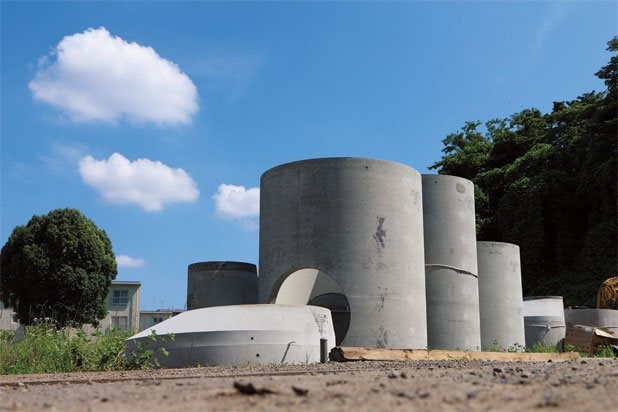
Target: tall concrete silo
[[501, 302], [451, 263], [221, 283], [351, 228]]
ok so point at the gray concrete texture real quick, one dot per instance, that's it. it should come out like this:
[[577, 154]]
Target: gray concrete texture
[[221, 283], [238, 335], [544, 320], [500, 296], [599, 318], [453, 320], [360, 222]]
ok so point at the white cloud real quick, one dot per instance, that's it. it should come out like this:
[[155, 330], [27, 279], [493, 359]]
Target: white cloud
[[94, 76], [149, 184], [237, 202], [125, 261]]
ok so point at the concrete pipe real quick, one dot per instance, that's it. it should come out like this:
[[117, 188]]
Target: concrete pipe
[[500, 296], [544, 320], [599, 318], [451, 263], [351, 228], [221, 283]]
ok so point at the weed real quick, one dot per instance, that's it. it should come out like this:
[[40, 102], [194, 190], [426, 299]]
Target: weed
[[146, 354], [45, 349], [606, 351]]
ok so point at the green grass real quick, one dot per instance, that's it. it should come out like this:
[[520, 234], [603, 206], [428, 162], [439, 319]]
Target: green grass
[[603, 351], [45, 349]]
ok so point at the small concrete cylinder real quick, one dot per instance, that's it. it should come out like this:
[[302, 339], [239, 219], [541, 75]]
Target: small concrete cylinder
[[221, 283], [451, 263], [599, 318], [359, 222], [500, 296], [544, 320]]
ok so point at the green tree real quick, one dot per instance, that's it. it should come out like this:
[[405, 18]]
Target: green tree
[[60, 267], [547, 182]]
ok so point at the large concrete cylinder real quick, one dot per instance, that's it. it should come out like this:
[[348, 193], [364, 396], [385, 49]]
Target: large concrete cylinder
[[599, 318], [359, 223], [451, 263], [544, 320], [500, 296], [220, 284]]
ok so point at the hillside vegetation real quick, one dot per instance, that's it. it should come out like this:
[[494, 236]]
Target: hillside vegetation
[[547, 182]]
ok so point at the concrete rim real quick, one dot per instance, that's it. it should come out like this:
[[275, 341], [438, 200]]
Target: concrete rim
[[487, 243], [542, 297], [223, 265], [332, 161]]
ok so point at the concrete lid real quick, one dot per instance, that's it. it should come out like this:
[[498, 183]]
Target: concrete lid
[[266, 317]]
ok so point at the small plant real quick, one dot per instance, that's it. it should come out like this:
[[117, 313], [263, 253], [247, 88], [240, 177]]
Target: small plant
[[606, 351], [540, 347], [144, 356], [516, 347]]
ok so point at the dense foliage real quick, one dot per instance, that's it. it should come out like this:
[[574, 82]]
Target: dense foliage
[[58, 267], [547, 182]]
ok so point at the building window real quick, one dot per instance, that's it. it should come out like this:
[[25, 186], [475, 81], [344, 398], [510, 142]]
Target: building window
[[120, 322], [14, 319], [120, 297], [156, 320]]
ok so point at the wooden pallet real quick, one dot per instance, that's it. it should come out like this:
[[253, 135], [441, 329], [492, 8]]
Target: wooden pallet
[[351, 354]]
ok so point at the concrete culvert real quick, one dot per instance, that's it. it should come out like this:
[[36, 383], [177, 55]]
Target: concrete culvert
[[221, 283], [453, 320], [544, 320], [599, 318], [360, 222], [500, 296]]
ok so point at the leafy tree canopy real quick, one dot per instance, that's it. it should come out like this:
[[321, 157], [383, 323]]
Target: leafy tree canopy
[[60, 267], [547, 182]]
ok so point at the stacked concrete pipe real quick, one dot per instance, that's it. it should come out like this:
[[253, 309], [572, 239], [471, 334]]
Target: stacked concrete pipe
[[500, 296], [451, 263], [358, 222]]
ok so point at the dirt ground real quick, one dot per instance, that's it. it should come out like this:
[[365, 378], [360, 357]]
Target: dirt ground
[[586, 384]]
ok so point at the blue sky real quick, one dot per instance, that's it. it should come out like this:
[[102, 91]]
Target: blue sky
[[156, 119]]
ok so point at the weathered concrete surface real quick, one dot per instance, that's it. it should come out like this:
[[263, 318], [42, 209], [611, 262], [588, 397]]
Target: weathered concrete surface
[[584, 385], [500, 296], [360, 222], [221, 283], [544, 320], [239, 334], [600, 318], [451, 263]]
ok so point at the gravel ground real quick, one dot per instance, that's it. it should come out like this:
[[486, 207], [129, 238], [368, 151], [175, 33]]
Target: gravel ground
[[588, 384]]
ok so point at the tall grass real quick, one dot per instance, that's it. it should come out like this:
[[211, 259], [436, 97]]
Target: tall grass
[[45, 349]]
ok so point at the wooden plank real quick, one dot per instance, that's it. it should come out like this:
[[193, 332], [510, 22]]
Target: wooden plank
[[350, 354]]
